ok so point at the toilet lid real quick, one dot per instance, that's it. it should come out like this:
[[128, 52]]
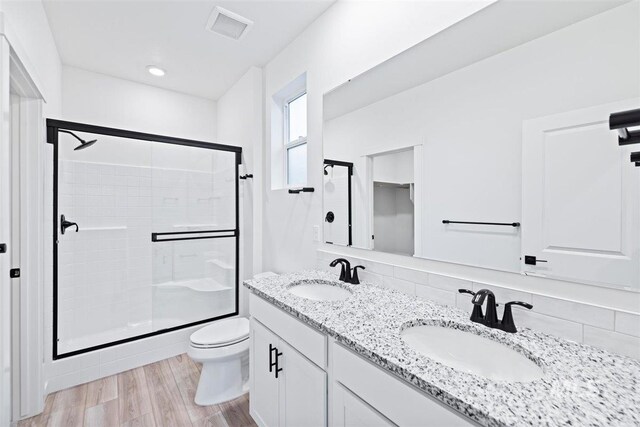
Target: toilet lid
[[222, 332]]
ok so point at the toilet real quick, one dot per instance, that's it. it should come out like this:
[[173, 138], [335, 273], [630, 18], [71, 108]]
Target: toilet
[[223, 350]]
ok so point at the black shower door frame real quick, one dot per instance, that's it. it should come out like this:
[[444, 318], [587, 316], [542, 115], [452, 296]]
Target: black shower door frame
[[53, 127]]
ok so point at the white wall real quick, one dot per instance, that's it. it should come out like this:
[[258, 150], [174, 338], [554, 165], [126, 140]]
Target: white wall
[[239, 121], [29, 33], [470, 125], [348, 39], [108, 101]]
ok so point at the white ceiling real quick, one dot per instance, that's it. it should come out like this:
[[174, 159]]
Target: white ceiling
[[121, 37]]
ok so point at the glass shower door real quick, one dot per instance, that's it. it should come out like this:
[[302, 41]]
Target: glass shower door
[[145, 235], [193, 235]]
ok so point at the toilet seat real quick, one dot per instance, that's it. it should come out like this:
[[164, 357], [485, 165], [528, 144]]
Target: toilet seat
[[205, 346], [221, 334]]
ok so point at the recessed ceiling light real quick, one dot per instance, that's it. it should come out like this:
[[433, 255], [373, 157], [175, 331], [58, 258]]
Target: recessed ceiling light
[[228, 24], [156, 71]]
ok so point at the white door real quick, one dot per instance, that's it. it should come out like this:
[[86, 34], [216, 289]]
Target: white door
[[303, 390], [581, 194], [351, 411], [264, 385]]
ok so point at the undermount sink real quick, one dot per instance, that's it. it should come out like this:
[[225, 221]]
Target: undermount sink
[[319, 290], [468, 352]]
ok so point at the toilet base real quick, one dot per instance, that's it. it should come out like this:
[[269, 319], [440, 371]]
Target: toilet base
[[221, 382]]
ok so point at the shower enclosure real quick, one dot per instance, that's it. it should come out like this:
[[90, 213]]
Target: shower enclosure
[[145, 235], [338, 229]]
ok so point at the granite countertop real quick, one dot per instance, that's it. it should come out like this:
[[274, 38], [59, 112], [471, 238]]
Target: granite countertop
[[581, 386]]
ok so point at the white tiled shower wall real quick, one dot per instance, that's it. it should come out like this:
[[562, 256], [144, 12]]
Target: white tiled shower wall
[[107, 270], [601, 327]]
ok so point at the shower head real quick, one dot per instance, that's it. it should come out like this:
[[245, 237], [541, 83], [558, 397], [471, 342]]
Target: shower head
[[83, 143], [325, 169]]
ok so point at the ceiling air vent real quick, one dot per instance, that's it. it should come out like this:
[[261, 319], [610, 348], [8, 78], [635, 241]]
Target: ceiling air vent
[[228, 24]]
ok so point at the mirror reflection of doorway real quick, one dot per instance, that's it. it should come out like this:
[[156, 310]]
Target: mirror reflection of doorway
[[393, 202]]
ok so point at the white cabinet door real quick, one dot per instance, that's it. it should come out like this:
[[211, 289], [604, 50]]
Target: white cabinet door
[[303, 390], [264, 385], [348, 410], [581, 196]]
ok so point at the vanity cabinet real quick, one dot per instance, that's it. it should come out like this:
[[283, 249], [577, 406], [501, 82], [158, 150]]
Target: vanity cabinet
[[348, 410], [367, 386], [287, 388], [265, 401], [301, 378]]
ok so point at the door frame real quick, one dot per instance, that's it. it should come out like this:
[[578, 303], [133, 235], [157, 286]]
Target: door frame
[[53, 128], [418, 185], [21, 174]]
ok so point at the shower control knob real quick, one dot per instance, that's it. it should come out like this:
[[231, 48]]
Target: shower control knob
[[330, 217]]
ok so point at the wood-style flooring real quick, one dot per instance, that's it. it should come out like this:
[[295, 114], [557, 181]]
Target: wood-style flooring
[[160, 394]]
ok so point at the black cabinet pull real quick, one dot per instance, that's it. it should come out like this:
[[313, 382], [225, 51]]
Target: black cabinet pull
[[278, 354], [273, 363]]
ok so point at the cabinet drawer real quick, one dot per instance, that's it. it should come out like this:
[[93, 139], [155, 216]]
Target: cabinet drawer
[[395, 399], [308, 341]]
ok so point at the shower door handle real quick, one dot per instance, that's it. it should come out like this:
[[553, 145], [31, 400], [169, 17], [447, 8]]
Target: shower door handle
[[64, 224]]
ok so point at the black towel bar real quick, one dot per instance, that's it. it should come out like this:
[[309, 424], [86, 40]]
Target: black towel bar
[[301, 190], [509, 224]]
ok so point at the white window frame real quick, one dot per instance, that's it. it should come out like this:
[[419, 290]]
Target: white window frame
[[292, 144]]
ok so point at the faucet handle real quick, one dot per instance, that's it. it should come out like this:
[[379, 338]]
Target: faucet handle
[[354, 277], [520, 303], [476, 315], [507, 324]]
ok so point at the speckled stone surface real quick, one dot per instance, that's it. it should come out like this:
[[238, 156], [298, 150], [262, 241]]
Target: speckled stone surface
[[581, 386]]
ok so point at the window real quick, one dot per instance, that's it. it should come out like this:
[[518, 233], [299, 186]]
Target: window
[[295, 139], [288, 129]]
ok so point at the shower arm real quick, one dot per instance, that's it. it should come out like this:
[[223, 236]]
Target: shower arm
[[72, 134]]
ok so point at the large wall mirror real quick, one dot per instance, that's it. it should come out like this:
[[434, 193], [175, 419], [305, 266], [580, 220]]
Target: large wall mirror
[[489, 144]]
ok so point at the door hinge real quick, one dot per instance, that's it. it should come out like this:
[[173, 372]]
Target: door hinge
[[531, 260], [14, 273], [3, 248]]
